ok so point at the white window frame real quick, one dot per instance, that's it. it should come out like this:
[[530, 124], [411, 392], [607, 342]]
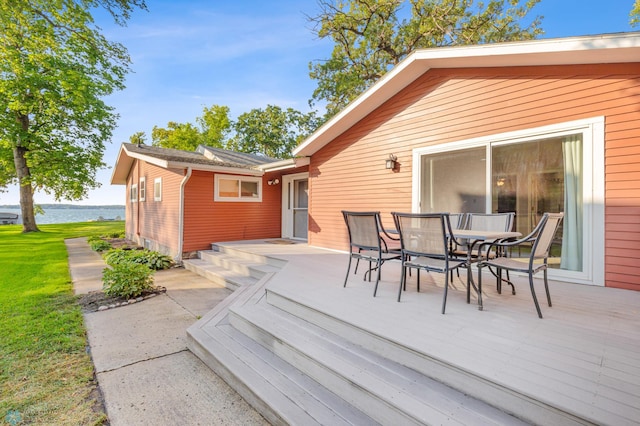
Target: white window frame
[[592, 130], [133, 193], [157, 195], [240, 179], [142, 189]]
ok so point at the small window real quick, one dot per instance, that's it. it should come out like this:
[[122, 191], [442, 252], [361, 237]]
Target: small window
[[238, 188], [143, 189], [157, 189], [133, 195]]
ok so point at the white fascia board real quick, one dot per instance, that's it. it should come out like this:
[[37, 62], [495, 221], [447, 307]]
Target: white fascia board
[[213, 168], [601, 49], [290, 163]]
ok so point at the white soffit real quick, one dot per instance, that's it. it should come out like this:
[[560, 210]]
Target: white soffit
[[602, 49]]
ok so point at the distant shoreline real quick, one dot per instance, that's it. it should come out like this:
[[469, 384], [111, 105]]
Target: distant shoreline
[[66, 206]]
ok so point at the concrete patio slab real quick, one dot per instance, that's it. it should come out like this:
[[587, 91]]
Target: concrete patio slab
[[145, 372], [193, 292], [134, 333], [138, 395]]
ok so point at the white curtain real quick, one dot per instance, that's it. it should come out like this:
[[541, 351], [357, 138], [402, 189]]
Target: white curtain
[[572, 223]]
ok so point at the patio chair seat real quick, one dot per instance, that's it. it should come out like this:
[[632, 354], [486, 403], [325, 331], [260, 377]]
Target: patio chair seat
[[540, 240], [433, 265], [513, 264]]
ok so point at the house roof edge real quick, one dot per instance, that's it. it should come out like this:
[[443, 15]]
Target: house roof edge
[[594, 49]]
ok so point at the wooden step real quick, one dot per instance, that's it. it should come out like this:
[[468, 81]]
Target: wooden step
[[387, 391], [237, 264], [279, 391], [493, 394], [219, 274]]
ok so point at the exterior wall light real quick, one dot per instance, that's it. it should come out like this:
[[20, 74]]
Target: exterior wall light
[[390, 163], [273, 181]]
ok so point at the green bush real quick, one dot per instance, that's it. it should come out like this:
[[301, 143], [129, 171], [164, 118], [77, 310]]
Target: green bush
[[152, 259], [157, 261], [114, 235], [127, 280], [99, 244]]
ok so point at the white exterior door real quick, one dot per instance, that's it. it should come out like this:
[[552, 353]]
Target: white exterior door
[[295, 206]]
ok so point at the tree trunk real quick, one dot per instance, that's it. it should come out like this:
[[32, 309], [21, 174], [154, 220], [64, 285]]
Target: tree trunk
[[26, 190]]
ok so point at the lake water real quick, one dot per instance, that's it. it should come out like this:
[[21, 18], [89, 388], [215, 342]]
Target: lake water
[[66, 215]]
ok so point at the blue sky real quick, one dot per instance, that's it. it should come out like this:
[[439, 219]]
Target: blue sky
[[249, 54]]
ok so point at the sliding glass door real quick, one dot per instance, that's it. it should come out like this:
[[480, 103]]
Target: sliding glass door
[[527, 175]]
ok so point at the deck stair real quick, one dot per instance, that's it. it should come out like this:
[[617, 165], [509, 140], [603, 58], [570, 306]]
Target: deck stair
[[234, 269], [300, 366]]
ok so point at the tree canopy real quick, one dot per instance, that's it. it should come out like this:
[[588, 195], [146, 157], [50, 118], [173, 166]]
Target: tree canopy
[[372, 36], [272, 131], [634, 16], [55, 69], [213, 127]]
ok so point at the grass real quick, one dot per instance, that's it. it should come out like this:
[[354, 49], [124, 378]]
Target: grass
[[46, 375]]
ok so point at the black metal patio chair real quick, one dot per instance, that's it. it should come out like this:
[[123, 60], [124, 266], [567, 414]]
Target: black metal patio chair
[[424, 239], [540, 240], [485, 222], [369, 241]]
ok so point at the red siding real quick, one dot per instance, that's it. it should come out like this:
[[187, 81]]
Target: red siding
[[155, 220], [208, 221], [449, 105]]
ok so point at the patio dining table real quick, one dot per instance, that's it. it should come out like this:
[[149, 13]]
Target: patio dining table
[[474, 237]]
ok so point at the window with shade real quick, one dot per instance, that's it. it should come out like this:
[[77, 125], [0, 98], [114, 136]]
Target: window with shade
[[237, 188]]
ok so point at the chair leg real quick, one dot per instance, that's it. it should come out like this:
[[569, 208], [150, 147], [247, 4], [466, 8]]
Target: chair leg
[[546, 287], [479, 290], [468, 283], [379, 267], [513, 288], [418, 275], [533, 293], [355, 272], [446, 289], [403, 281], [348, 268]]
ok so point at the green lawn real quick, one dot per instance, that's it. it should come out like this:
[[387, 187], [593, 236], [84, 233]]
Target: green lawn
[[46, 376]]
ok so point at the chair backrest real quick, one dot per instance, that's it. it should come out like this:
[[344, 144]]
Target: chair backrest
[[490, 221], [364, 229], [423, 234], [546, 230], [458, 220]]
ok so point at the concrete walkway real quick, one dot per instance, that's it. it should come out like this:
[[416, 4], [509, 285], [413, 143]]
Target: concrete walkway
[[145, 372]]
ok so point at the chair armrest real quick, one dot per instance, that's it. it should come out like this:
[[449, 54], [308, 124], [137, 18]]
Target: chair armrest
[[508, 242]]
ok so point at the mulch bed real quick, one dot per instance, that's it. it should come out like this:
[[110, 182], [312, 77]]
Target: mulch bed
[[98, 301]]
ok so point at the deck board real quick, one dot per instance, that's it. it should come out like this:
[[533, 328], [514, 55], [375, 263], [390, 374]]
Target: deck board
[[584, 354]]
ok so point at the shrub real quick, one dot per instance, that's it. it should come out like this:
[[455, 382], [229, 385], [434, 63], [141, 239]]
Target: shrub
[[152, 259], [127, 280], [120, 234], [98, 244], [157, 261]]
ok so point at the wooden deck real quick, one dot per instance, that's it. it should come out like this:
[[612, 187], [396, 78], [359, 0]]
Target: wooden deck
[[584, 354]]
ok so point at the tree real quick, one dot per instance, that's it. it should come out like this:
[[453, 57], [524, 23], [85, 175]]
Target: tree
[[177, 136], [55, 68], [138, 138], [370, 38], [634, 16], [213, 127], [272, 131]]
